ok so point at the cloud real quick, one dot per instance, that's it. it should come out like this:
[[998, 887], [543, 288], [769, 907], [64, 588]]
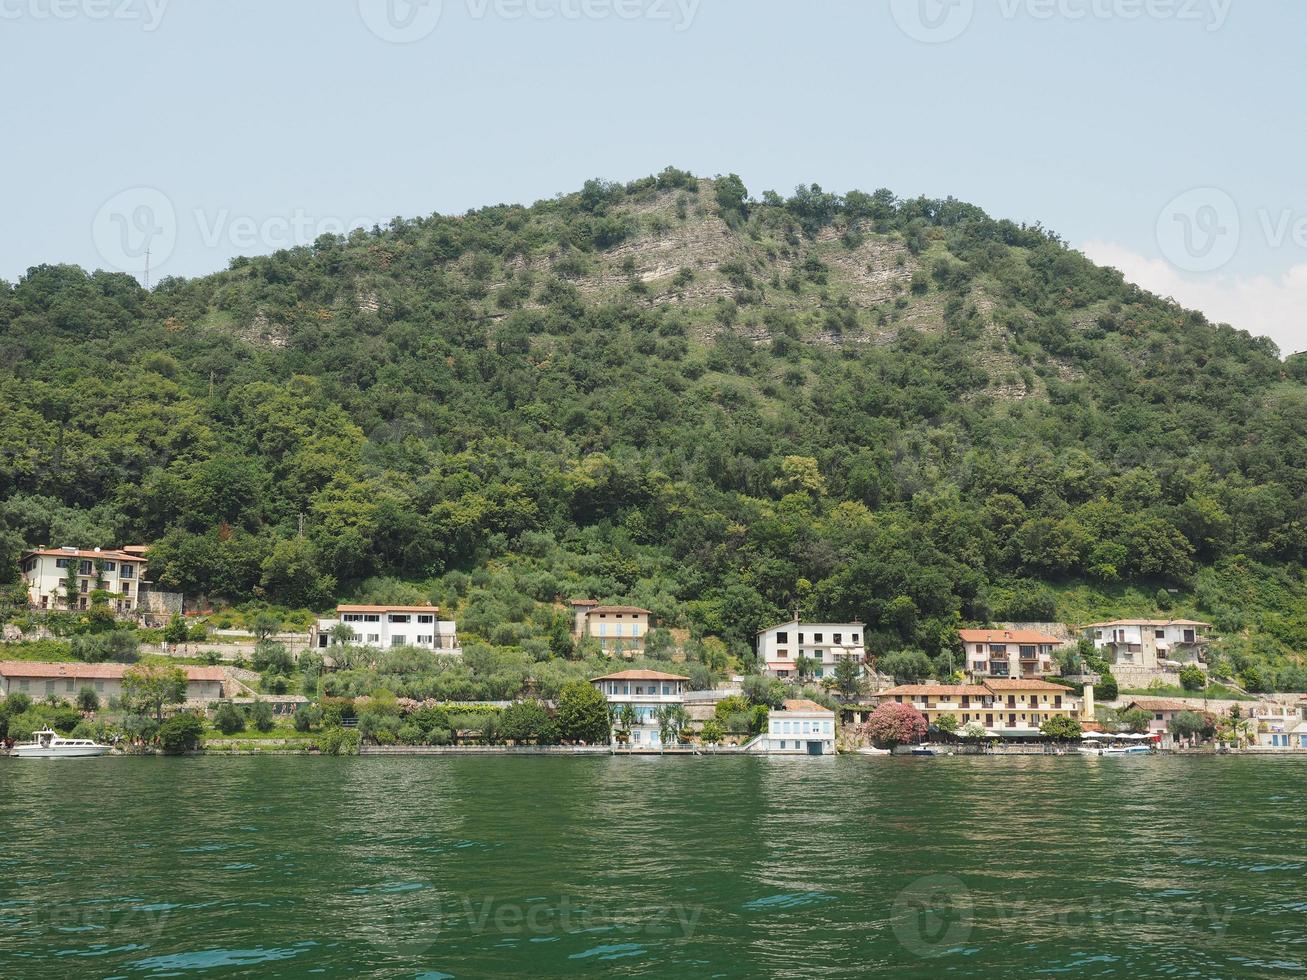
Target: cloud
[[1262, 305]]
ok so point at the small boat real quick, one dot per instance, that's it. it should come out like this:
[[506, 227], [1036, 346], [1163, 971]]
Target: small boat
[[48, 744], [930, 750], [1117, 750], [872, 750]]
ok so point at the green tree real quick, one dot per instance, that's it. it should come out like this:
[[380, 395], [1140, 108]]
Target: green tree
[[948, 724], [1193, 677], [1061, 729], [261, 716], [906, 666], [176, 631], [582, 714], [87, 700], [672, 719], [228, 718], [713, 732], [848, 677], [153, 688], [182, 732]]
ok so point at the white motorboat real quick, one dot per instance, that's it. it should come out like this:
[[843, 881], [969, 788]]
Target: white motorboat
[[1116, 750], [49, 744], [872, 750]]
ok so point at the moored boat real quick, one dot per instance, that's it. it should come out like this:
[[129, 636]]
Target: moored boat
[[872, 750], [48, 744]]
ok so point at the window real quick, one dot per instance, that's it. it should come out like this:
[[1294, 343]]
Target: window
[[816, 637], [399, 618], [352, 618], [425, 639], [49, 687], [374, 637], [854, 639], [398, 641], [125, 588], [86, 568], [782, 654], [426, 619], [86, 584], [1159, 634], [129, 571], [782, 637], [800, 637], [61, 563], [68, 686], [99, 685]]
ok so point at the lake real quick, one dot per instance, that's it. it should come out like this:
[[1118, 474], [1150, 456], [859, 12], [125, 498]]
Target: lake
[[431, 867]]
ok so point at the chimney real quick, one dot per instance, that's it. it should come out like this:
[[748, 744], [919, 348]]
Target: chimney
[[1087, 709]]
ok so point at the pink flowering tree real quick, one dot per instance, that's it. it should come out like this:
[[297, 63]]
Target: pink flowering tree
[[895, 724]]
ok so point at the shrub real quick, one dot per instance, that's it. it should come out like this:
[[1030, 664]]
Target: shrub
[[339, 741], [261, 716], [87, 700], [1193, 678], [181, 733], [895, 724], [306, 716], [228, 718]]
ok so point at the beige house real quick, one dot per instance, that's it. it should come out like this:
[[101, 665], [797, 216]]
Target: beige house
[[117, 572], [65, 681], [1008, 653], [1004, 706], [619, 629]]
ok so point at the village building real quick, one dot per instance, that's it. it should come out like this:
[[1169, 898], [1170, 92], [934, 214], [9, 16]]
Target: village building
[[619, 629], [821, 645], [800, 727], [1006, 707], [1150, 644], [388, 626], [1008, 653], [645, 693], [66, 681], [117, 574], [1277, 725]]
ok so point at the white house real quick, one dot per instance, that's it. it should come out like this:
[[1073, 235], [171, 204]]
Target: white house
[[1147, 642], [799, 728], [823, 644], [390, 626], [646, 692], [116, 572]]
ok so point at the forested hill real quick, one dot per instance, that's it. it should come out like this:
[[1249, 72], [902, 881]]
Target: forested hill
[[669, 392]]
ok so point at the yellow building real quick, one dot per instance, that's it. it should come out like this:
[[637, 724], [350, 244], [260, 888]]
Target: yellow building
[[1005, 707], [619, 629]]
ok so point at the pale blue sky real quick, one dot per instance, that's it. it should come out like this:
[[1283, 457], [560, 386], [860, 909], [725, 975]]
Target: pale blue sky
[[244, 116]]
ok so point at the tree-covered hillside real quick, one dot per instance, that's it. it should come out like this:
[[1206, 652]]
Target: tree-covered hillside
[[669, 392]]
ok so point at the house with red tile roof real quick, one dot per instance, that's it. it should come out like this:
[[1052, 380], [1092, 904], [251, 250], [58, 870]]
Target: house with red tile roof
[[618, 628], [800, 727], [1005, 706], [1008, 653], [116, 574], [65, 681], [646, 693]]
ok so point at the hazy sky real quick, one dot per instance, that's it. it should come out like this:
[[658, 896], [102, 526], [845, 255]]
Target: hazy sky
[[1165, 137]]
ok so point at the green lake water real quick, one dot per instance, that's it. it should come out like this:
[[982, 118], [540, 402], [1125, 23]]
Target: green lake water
[[658, 867]]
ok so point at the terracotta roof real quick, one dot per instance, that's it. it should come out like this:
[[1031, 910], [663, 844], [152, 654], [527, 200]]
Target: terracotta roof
[[802, 704], [640, 675], [1017, 684], [1160, 704], [103, 672], [380, 609], [1007, 636], [1148, 622], [619, 609], [109, 555], [583, 602], [936, 690]]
